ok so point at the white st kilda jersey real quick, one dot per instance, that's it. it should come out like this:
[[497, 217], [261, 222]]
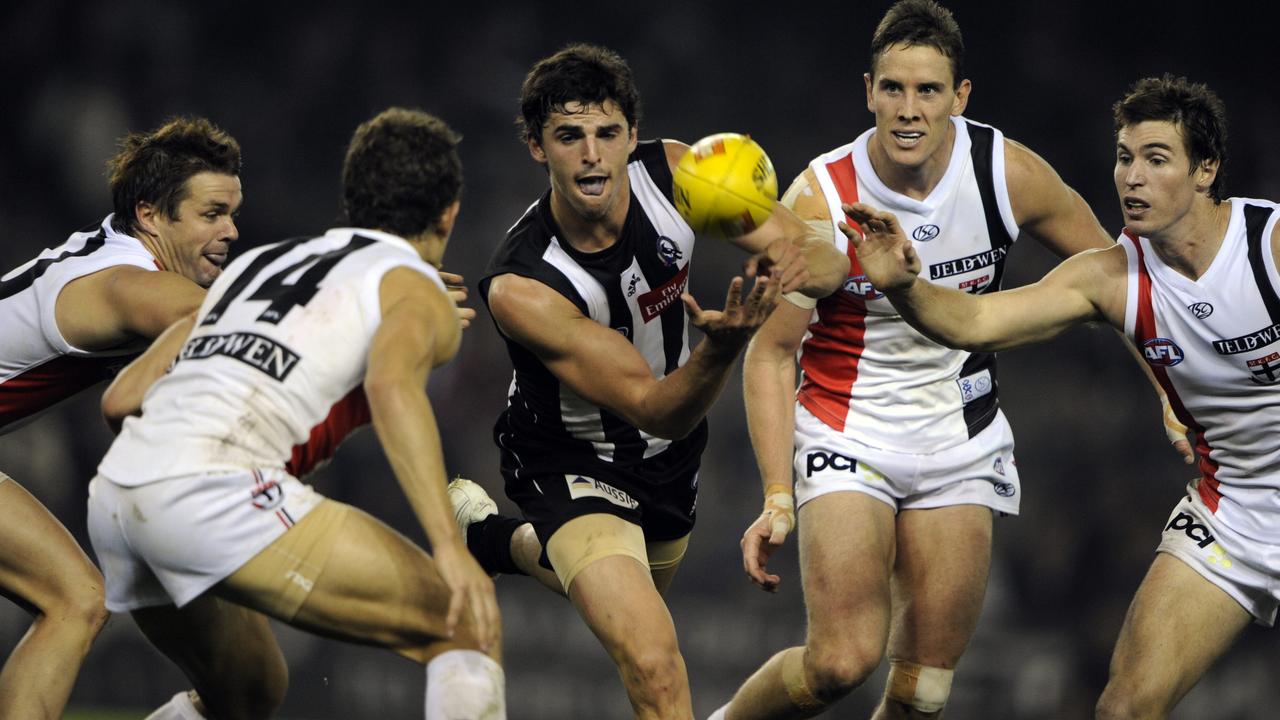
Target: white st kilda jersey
[[866, 372], [1214, 345], [275, 363], [38, 367]]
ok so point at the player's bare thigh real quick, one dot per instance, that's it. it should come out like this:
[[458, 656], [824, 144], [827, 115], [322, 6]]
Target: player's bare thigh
[[364, 582], [40, 561], [939, 580], [846, 554], [1166, 645]]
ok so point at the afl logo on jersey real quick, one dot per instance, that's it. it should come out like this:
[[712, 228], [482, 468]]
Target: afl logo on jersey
[[1201, 310], [668, 252], [925, 233], [859, 285], [1162, 352]]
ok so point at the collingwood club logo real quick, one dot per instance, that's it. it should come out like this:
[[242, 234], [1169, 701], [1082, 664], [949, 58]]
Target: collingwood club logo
[[668, 252]]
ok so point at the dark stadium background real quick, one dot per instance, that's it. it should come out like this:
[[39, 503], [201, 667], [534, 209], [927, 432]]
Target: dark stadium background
[[291, 81]]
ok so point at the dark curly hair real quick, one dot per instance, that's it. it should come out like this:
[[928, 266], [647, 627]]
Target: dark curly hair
[[920, 22], [154, 167], [581, 73], [1191, 107], [401, 172]]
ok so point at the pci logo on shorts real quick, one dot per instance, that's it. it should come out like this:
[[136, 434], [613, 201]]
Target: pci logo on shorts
[[585, 487], [1186, 522]]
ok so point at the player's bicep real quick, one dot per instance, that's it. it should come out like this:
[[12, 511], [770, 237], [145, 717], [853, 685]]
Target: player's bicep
[[147, 302], [1047, 208], [597, 363], [415, 333]]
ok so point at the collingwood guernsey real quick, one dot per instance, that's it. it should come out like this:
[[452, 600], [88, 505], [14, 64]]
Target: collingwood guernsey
[[632, 287]]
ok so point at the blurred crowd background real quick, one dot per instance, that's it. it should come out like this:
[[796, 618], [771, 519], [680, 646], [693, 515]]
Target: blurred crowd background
[[291, 81]]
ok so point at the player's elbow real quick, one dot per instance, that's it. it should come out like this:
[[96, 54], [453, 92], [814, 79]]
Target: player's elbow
[[115, 408], [670, 428]]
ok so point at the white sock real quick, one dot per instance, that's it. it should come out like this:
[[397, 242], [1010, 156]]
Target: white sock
[[720, 714], [179, 707], [465, 685]]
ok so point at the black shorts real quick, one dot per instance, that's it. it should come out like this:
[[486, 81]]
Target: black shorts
[[664, 512]]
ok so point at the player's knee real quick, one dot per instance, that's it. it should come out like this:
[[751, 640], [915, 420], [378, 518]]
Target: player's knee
[[654, 668], [835, 672], [80, 605]]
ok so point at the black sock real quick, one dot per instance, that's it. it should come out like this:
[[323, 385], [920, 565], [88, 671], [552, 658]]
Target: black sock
[[489, 540]]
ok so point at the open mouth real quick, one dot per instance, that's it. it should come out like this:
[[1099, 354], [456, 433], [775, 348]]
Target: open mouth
[[1134, 205], [593, 185], [908, 138], [216, 259]]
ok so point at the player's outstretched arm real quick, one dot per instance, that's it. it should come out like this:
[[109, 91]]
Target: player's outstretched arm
[[603, 368], [122, 303], [124, 396], [768, 377], [419, 331], [1085, 287]]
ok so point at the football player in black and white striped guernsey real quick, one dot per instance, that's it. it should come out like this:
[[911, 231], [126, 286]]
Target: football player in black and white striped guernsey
[[605, 426]]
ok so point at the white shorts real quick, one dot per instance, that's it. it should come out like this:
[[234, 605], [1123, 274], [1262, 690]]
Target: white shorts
[[167, 542], [980, 471], [1247, 570]]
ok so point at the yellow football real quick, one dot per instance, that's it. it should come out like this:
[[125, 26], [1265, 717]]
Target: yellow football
[[725, 186]]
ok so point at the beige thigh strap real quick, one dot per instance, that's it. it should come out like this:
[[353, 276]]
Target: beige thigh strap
[[281, 577], [666, 554], [587, 538]]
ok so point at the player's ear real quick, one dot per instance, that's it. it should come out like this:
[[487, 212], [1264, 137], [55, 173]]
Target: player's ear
[[535, 149], [866, 78], [962, 97], [1205, 174], [447, 218], [146, 215], [634, 136]]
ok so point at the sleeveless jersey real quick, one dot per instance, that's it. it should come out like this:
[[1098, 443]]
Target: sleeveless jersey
[[276, 359], [38, 367], [1214, 346], [632, 287], [866, 372]]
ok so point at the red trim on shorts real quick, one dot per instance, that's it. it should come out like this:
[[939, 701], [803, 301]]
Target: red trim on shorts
[[829, 357], [53, 381], [349, 413], [1145, 329]]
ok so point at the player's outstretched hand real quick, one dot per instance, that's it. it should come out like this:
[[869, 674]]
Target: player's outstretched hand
[[884, 252], [731, 328], [783, 261], [457, 290], [1176, 431], [470, 591], [765, 536]]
